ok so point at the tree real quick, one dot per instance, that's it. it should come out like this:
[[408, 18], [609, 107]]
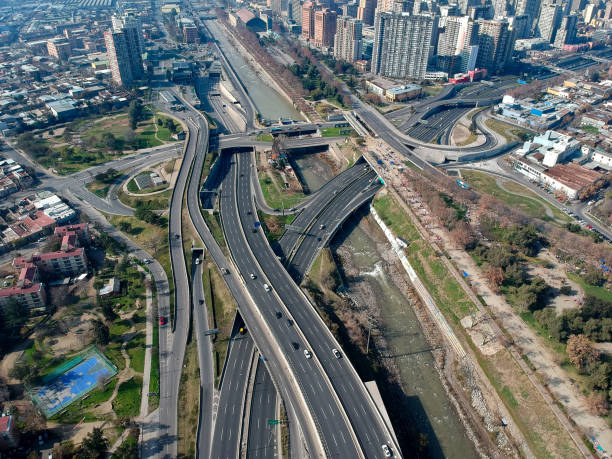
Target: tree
[[110, 141], [94, 446], [124, 226], [495, 276], [600, 376], [598, 403], [64, 450], [373, 99], [581, 352], [14, 316], [101, 332], [462, 235], [135, 113], [594, 276], [108, 312]]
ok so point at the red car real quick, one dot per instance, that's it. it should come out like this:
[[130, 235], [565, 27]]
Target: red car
[[162, 321]]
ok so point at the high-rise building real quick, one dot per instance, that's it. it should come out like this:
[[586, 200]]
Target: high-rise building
[[589, 13], [124, 57], [348, 40], [549, 20], [530, 8], [190, 33], [566, 34], [308, 26], [401, 45], [130, 23], [325, 28], [607, 12], [495, 44], [455, 34], [577, 5], [296, 11], [350, 9], [366, 11], [522, 25]]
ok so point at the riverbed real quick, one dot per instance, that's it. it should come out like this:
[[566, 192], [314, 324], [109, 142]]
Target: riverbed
[[369, 270], [269, 103]]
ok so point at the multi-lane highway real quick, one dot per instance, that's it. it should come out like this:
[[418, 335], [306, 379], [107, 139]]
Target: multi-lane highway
[[362, 418], [263, 436]]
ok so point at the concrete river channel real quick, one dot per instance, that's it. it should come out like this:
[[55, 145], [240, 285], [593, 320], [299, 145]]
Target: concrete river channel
[[366, 279], [269, 103]]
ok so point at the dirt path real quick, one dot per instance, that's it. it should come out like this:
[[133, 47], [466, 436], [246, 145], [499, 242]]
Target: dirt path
[[555, 378]]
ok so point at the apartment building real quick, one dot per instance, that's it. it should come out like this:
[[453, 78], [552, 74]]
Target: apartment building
[[308, 21], [495, 44], [348, 39], [401, 45], [324, 28]]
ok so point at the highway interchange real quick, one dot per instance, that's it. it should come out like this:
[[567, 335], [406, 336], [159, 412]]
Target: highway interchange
[[330, 411]]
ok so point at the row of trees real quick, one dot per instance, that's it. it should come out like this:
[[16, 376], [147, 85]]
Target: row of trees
[[151, 217]]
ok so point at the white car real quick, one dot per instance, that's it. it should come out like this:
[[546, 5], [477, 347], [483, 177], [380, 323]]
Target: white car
[[386, 451], [307, 354], [267, 287], [253, 276], [336, 353], [197, 261]]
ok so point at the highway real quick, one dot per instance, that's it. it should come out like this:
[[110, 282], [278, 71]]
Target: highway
[[205, 360], [302, 431], [230, 412], [325, 225], [432, 127], [262, 441], [362, 415]]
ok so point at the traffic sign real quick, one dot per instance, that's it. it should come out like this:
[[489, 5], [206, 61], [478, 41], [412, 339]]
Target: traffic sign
[[273, 422], [212, 331]]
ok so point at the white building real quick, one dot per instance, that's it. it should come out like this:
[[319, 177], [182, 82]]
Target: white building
[[556, 147]]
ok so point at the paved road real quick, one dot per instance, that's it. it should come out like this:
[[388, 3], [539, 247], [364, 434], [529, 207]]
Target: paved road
[[231, 409], [327, 222], [317, 202], [75, 183], [205, 359], [362, 415], [170, 380], [262, 441]]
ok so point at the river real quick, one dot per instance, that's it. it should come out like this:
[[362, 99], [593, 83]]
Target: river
[[359, 246], [269, 103]]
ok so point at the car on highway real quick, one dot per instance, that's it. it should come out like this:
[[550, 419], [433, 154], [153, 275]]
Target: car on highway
[[279, 314], [197, 261], [267, 287], [162, 321], [386, 451], [336, 353], [307, 354], [253, 276], [225, 271]]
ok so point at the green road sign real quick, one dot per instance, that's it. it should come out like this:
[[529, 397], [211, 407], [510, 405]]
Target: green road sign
[[273, 422]]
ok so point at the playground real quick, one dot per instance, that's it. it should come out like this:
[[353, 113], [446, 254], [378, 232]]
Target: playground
[[72, 380]]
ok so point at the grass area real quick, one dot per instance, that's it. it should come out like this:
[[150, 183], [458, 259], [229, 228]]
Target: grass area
[[274, 225], [589, 129], [432, 90], [275, 193], [136, 350], [83, 408], [85, 142], [506, 130], [98, 188], [597, 292], [158, 201], [543, 432], [265, 137], [154, 380], [163, 133], [545, 435], [152, 238], [127, 401], [336, 131], [221, 312], [442, 286], [214, 225], [323, 110], [189, 402], [284, 450], [533, 205]]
